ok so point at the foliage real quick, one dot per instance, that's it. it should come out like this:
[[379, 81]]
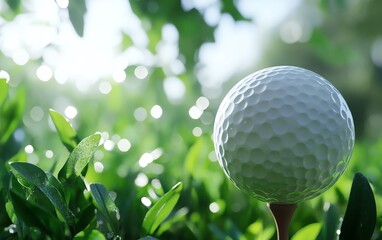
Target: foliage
[[59, 196], [41, 205]]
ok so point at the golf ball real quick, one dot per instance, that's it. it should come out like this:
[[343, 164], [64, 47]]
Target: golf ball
[[283, 134]]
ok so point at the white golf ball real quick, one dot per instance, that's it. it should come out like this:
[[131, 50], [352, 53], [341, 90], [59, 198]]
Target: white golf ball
[[283, 134]]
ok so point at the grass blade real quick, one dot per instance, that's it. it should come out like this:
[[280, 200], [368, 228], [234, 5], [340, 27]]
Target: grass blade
[[161, 209]]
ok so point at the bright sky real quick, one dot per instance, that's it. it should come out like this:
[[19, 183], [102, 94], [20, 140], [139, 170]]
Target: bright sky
[[46, 32]]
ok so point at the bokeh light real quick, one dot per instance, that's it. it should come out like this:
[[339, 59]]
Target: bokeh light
[[44, 73], [4, 75]]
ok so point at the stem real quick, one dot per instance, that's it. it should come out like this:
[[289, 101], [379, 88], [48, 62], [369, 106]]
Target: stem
[[282, 214]]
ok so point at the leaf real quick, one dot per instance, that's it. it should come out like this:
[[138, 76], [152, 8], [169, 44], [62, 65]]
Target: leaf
[[89, 235], [85, 216], [229, 7], [65, 131], [360, 216], [29, 212], [35, 215], [79, 157], [332, 221], [105, 204], [179, 216], [77, 10], [14, 5], [4, 88], [11, 115], [52, 180], [308, 232], [32, 174], [161, 209], [196, 158], [258, 231], [29, 174], [148, 238]]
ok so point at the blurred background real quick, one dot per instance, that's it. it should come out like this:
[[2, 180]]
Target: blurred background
[[149, 75]]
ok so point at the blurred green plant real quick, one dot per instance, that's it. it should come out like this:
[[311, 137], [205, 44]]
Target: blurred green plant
[[40, 205], [209, 207]]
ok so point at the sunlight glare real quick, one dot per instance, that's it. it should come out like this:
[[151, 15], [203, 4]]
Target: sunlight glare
[[156, 153], [29, 149], [124, 145], [376, 52], [156, 111], [105, 87], [202, 103], [291, 32], [197, 131], [145, 201], [49, 154], [195, 112], [141, 72], [174, 89], [140, 114], [145, 160], [70, 112], [36, 113], [214, 207], [62, 3], [108, 145], [141, 180], [60, 76], [98, 167], [119, 76], [20, 57], [4, 75], [44, 73]]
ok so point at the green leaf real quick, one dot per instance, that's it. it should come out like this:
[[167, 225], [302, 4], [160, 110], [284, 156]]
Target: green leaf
[[10, 115], [31, 174], [148, 238], [161, 209], [179, 216], [196, 158], [4, 88], [89, 235], [360, 216], [35, 215], [30, 212], [85, 216], [77, 10], [67, 134], [106, 206], [258, 231], [79, 157], [332, 221], [14, 5], [229, 7], [309, 232], [52, 180]]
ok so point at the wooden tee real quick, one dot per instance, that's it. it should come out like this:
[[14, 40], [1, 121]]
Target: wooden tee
[[282, 214]]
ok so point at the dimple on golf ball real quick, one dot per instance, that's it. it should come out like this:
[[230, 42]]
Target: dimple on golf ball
[[283, 134]]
